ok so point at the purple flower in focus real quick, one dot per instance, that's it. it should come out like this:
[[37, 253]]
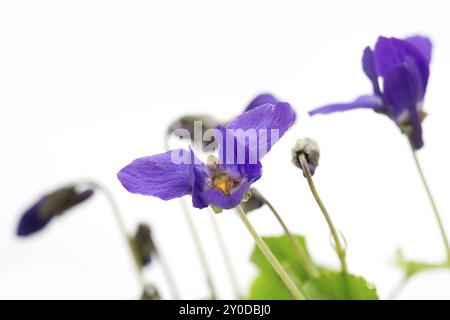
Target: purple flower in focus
[[223, 181], [403, 66], [49, 206]]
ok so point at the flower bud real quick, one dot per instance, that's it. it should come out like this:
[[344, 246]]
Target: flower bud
[[53, 204], [310, 150], [189, 124], [150, 293], [143, 244], [255, 201]]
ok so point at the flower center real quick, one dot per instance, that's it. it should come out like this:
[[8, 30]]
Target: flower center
[[223, 183], [221, 180]]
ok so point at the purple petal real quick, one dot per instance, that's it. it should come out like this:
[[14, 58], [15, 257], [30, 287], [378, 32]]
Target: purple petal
[[252, 172], [235, 155], [262, 99], [403, 92], [362, 102], [198, 178], [280, 116], [403, 87], [204, 194], [157, 176], [84, 195], [391, 53], [260, 128], [50, 205], [368, 62], [32, 221], [423, 44], [217, 198]]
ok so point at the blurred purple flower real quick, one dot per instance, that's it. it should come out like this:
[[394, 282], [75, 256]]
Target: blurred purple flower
[[403, 66], [49, 206], [220, 182]]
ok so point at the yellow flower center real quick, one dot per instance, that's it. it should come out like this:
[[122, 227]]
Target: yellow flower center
[[223, 183], [220, 180]]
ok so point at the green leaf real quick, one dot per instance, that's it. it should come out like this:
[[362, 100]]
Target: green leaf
[[269, 287], [284, 251], [411, 268], [329, 285], [332, 285]]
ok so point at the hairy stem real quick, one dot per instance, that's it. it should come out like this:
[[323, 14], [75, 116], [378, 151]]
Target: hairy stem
[[287, 280], [303, 256], [339, 248]]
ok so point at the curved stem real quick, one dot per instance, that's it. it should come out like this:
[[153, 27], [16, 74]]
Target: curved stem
[[433, 203], [303, 256], [168, 275], [200, 251], [287, 280], [195, 237], [119, 221], [339, 249], [398, 288], [226, 255]]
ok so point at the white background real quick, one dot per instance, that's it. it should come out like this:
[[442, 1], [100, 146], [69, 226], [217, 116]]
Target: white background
[[86, 87]]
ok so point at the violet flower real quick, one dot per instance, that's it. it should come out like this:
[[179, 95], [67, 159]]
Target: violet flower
[[206, 122], [49, 206], [223, 181], [403, 66]]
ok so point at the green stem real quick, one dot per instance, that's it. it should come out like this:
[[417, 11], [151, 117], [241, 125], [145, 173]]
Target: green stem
[[339, 248], [287, 280], [398, 288], [195, 237], [225, 255], [169, 277], [200, 251], [303, 256], [119, 221], [433, 203]]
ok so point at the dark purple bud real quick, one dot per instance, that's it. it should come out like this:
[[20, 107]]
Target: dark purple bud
[[310, 150], [143, 244], [49, 206], [150, 293]]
